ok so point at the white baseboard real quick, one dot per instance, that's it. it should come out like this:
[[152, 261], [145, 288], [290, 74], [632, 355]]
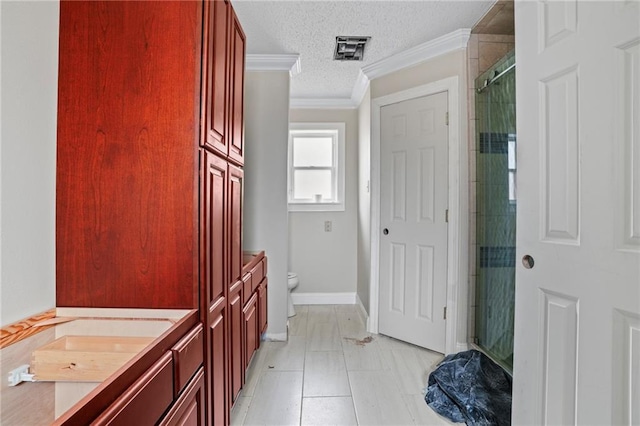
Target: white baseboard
[[362, 311], [275, 337], [323, 298], [462, 347]]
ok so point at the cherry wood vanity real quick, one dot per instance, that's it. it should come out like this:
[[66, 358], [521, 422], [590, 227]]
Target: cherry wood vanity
[[150, 154]]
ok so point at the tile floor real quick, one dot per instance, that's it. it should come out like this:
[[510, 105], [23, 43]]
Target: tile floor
[[329, 373]]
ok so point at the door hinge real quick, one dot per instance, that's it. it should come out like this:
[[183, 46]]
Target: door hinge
[[446, 215], [445, 313], [446, 118]]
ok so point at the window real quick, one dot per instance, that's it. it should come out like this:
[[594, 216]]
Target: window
[[316, 167]]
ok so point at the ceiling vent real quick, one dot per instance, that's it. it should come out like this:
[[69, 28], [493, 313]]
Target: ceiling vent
[[349, 48]]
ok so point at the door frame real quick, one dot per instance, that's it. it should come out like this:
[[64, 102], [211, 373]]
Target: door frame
[[458, 241]]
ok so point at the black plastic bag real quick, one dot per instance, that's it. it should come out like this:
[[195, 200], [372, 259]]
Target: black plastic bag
[[468, 387]]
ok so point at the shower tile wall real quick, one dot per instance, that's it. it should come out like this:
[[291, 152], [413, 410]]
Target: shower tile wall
[[483, 51]]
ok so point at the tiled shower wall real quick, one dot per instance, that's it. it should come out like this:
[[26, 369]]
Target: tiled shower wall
[[484, 50]]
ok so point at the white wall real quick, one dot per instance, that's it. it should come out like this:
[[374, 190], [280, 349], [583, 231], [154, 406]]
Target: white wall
[[364, 199], [326, 262], [28, 157], [266, 118]]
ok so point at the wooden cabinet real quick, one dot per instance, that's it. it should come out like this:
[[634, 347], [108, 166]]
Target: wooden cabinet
[[236, 366], [213, 239], [224, 83], [236, 84], [149, 175], [255, 304], [217, 367], [189, 409], [127, 169], [262, 306], [174, 385], [215, 86], [187, 358], [146, 400], [213, 272], [250, 329], [236, 176]]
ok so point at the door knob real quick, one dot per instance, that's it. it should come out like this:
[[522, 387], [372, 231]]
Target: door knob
[[385, 231], [527, 261]]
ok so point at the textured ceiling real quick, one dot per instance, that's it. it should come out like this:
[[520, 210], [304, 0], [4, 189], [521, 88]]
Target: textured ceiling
[[309, 28]]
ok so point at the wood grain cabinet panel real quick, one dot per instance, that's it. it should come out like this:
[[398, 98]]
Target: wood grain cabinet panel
[[251, 335], [216, 85], [128, 114], [146, 400], [236, 83], [257, 275], [189, 409], [213, 264], [187, 357], [246, 283], [236, 176], [236, 366], [213, 230], [262, 306], [217, 363]]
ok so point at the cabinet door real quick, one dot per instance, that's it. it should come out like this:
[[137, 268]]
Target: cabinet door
[[262, 306], [236, 85], [213, 199], [235, 223], [215, 85], [236, 366], [250, 329], [212, 234], [189, 408], [217, 349]]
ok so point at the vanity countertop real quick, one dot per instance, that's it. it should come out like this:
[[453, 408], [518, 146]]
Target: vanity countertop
[[43, 402], [251, 259]]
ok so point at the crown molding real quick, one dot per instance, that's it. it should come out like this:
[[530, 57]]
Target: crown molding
[[423, 52], [359, 88], [275, 62], [322, 103]]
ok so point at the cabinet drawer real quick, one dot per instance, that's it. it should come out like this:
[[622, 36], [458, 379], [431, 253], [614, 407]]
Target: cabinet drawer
[[257, 274], [247, 287], [189, 408], [146, 400], [187, 357]]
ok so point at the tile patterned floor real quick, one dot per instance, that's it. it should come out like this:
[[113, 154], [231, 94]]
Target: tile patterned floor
[[327, 375]]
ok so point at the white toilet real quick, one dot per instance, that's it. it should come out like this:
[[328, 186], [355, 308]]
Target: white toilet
[[292, 282]]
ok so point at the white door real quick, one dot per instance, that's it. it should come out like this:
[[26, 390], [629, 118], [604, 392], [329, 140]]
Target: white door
[[413, 203], [577, 325]]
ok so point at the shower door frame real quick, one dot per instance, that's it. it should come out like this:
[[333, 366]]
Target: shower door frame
[[473, 343]]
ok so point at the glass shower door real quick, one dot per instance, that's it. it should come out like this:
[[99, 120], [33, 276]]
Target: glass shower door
[[496, 196]]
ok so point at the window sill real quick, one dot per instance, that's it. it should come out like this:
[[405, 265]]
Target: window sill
[[316, 207]]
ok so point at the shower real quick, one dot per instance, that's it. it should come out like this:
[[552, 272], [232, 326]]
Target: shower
[[496, 201]]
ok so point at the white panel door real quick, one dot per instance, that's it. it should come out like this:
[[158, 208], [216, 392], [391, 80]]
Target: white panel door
[[413, 202], [577, 317]]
